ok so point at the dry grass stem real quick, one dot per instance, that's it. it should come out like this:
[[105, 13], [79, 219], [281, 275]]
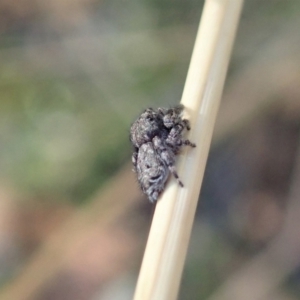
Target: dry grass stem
[[170, 232]]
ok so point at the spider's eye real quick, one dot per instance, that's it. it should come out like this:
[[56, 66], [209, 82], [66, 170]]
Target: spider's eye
[[150, 118]]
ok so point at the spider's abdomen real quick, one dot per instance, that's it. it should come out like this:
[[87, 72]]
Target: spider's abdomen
[[151, 171]]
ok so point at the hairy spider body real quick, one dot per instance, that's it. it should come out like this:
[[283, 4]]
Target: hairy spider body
[[157, 138], [146, 127], [151, 171]]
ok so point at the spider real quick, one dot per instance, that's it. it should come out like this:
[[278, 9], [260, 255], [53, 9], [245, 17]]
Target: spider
[[157, 138]]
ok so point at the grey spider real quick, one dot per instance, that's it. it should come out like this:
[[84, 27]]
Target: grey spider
[[157, 138]]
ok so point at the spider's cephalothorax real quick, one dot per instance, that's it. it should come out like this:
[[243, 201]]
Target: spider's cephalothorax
[[157, 138]]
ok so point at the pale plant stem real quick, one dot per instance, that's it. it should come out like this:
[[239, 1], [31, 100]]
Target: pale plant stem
[[171, 227]]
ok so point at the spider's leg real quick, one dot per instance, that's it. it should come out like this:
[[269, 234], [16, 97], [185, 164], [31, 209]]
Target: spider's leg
[[167, 156], [186, 143], [186, 124], [175, 174], [174, 135], [178, 108]]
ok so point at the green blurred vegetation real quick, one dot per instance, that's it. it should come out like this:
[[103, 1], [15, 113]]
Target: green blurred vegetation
[[74, 76], [65, 123]]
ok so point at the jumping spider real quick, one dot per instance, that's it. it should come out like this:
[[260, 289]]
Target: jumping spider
[[157, 138]]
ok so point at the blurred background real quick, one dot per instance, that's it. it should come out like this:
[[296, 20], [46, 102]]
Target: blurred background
[[74, 75]]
